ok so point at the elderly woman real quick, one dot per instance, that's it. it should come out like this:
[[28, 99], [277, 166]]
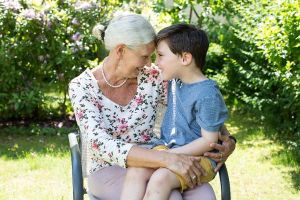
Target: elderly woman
[[115, 107]]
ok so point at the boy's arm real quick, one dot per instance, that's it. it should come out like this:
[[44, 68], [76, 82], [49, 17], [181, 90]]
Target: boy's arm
[[199, 146]]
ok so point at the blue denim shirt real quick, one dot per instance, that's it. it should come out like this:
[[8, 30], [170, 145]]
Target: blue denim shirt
[[198, 105]]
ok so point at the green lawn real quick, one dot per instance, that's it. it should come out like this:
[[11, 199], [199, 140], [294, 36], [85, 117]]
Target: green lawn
[[34, 167], [259, 167], [37, 167]]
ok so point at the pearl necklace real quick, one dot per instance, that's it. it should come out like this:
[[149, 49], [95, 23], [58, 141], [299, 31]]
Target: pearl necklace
[[106, 81]]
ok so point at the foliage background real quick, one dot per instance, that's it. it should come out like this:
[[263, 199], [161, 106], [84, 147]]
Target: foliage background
[[254, 54]]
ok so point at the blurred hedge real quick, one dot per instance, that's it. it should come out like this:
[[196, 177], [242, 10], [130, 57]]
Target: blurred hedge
[[42, 46], [254, 52], [261, 60]]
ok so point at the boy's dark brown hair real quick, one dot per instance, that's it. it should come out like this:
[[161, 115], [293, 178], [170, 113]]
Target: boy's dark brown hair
[[186, 38]]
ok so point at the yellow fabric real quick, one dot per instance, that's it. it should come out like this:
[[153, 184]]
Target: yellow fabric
[[205, 164], [161, 147]]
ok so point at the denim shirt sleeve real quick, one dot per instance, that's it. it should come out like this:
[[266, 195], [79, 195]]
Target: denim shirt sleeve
[[211, 112]]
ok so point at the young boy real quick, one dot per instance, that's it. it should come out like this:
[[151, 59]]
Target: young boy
[[195, 113]]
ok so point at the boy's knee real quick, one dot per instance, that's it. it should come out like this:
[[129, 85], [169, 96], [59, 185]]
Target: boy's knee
[[160, 177], [140, 173]]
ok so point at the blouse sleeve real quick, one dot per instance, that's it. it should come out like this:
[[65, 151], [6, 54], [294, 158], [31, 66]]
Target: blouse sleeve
[[100, 145], [212, 113]]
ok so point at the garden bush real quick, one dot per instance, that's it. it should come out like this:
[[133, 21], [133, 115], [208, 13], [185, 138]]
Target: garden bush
[[261, 44], [254, 54], [44, 44]]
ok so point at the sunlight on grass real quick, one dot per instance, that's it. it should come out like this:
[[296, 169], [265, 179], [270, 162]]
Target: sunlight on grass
[[44, 177], [255, 170], [43, 171], [38, 167]]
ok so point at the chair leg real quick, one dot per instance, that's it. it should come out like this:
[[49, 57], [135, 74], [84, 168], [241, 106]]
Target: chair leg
[[225, 184]]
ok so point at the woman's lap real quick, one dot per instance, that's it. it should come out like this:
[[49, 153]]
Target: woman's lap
[[106, 184]]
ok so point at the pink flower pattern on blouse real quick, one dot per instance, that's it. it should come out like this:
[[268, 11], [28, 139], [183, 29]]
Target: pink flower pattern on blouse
[[108, 129]]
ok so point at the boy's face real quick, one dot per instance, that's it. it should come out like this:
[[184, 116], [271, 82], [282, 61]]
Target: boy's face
[[167, 61]]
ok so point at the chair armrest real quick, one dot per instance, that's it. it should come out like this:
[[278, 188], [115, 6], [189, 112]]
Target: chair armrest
[[225, 184], [77, 179]]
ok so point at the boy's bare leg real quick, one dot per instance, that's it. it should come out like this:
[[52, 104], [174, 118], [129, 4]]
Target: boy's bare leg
[[160, 185], [135, 183]]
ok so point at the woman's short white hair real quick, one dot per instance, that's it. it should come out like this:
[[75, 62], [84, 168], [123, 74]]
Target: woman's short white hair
[[130, 29]]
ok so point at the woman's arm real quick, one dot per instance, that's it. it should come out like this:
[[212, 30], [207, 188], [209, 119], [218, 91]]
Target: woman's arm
[[100, 145]]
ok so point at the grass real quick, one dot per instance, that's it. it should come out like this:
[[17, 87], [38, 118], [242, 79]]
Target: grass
[[261, 167], [36, 166]]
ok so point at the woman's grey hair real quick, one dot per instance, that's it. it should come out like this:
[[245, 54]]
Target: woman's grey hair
[[130, 29]]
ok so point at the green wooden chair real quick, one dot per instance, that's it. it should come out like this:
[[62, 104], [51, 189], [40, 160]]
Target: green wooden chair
[[77, 176]]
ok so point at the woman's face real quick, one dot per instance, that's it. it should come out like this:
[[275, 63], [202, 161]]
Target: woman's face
[[135, 59]]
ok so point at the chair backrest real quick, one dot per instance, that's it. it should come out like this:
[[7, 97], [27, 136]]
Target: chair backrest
[[224, 182], [84, 152], [77, 178]]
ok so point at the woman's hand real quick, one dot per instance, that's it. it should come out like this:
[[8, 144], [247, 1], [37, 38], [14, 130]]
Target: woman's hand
[[225, 150], [188, 167]]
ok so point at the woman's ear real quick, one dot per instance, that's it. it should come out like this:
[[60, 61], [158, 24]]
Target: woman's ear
[[120, 49], [186, 58]]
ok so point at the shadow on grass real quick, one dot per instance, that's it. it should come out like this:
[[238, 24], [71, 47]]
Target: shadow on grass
[[20, 142], [248, 130], [245, 128], [295, 174]]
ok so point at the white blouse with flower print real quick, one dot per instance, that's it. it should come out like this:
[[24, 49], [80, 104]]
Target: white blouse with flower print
[[109, 130]]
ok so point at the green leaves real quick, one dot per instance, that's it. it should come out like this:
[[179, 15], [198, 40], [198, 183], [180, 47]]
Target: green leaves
[[43, 45]]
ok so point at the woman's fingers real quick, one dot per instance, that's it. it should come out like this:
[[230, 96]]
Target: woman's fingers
[[214, 156], [218, 167], [188, 180], [225, 149], [194, 179], [195, 173], [189, 168], [218, 147], [199, 171]]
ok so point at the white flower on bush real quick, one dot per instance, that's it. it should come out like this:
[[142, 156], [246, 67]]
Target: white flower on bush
[[29, 14], [41, 58], [11, 5], [83, 5], [76, 37], [75, 22], [76, 46]]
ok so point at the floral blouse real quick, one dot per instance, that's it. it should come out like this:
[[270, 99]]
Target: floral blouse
[[109, 130]]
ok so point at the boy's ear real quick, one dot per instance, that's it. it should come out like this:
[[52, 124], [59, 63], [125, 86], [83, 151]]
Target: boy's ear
[[186, 58], [120, 49]]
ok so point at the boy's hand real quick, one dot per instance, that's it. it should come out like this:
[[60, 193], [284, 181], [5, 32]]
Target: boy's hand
[[225, 149]]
